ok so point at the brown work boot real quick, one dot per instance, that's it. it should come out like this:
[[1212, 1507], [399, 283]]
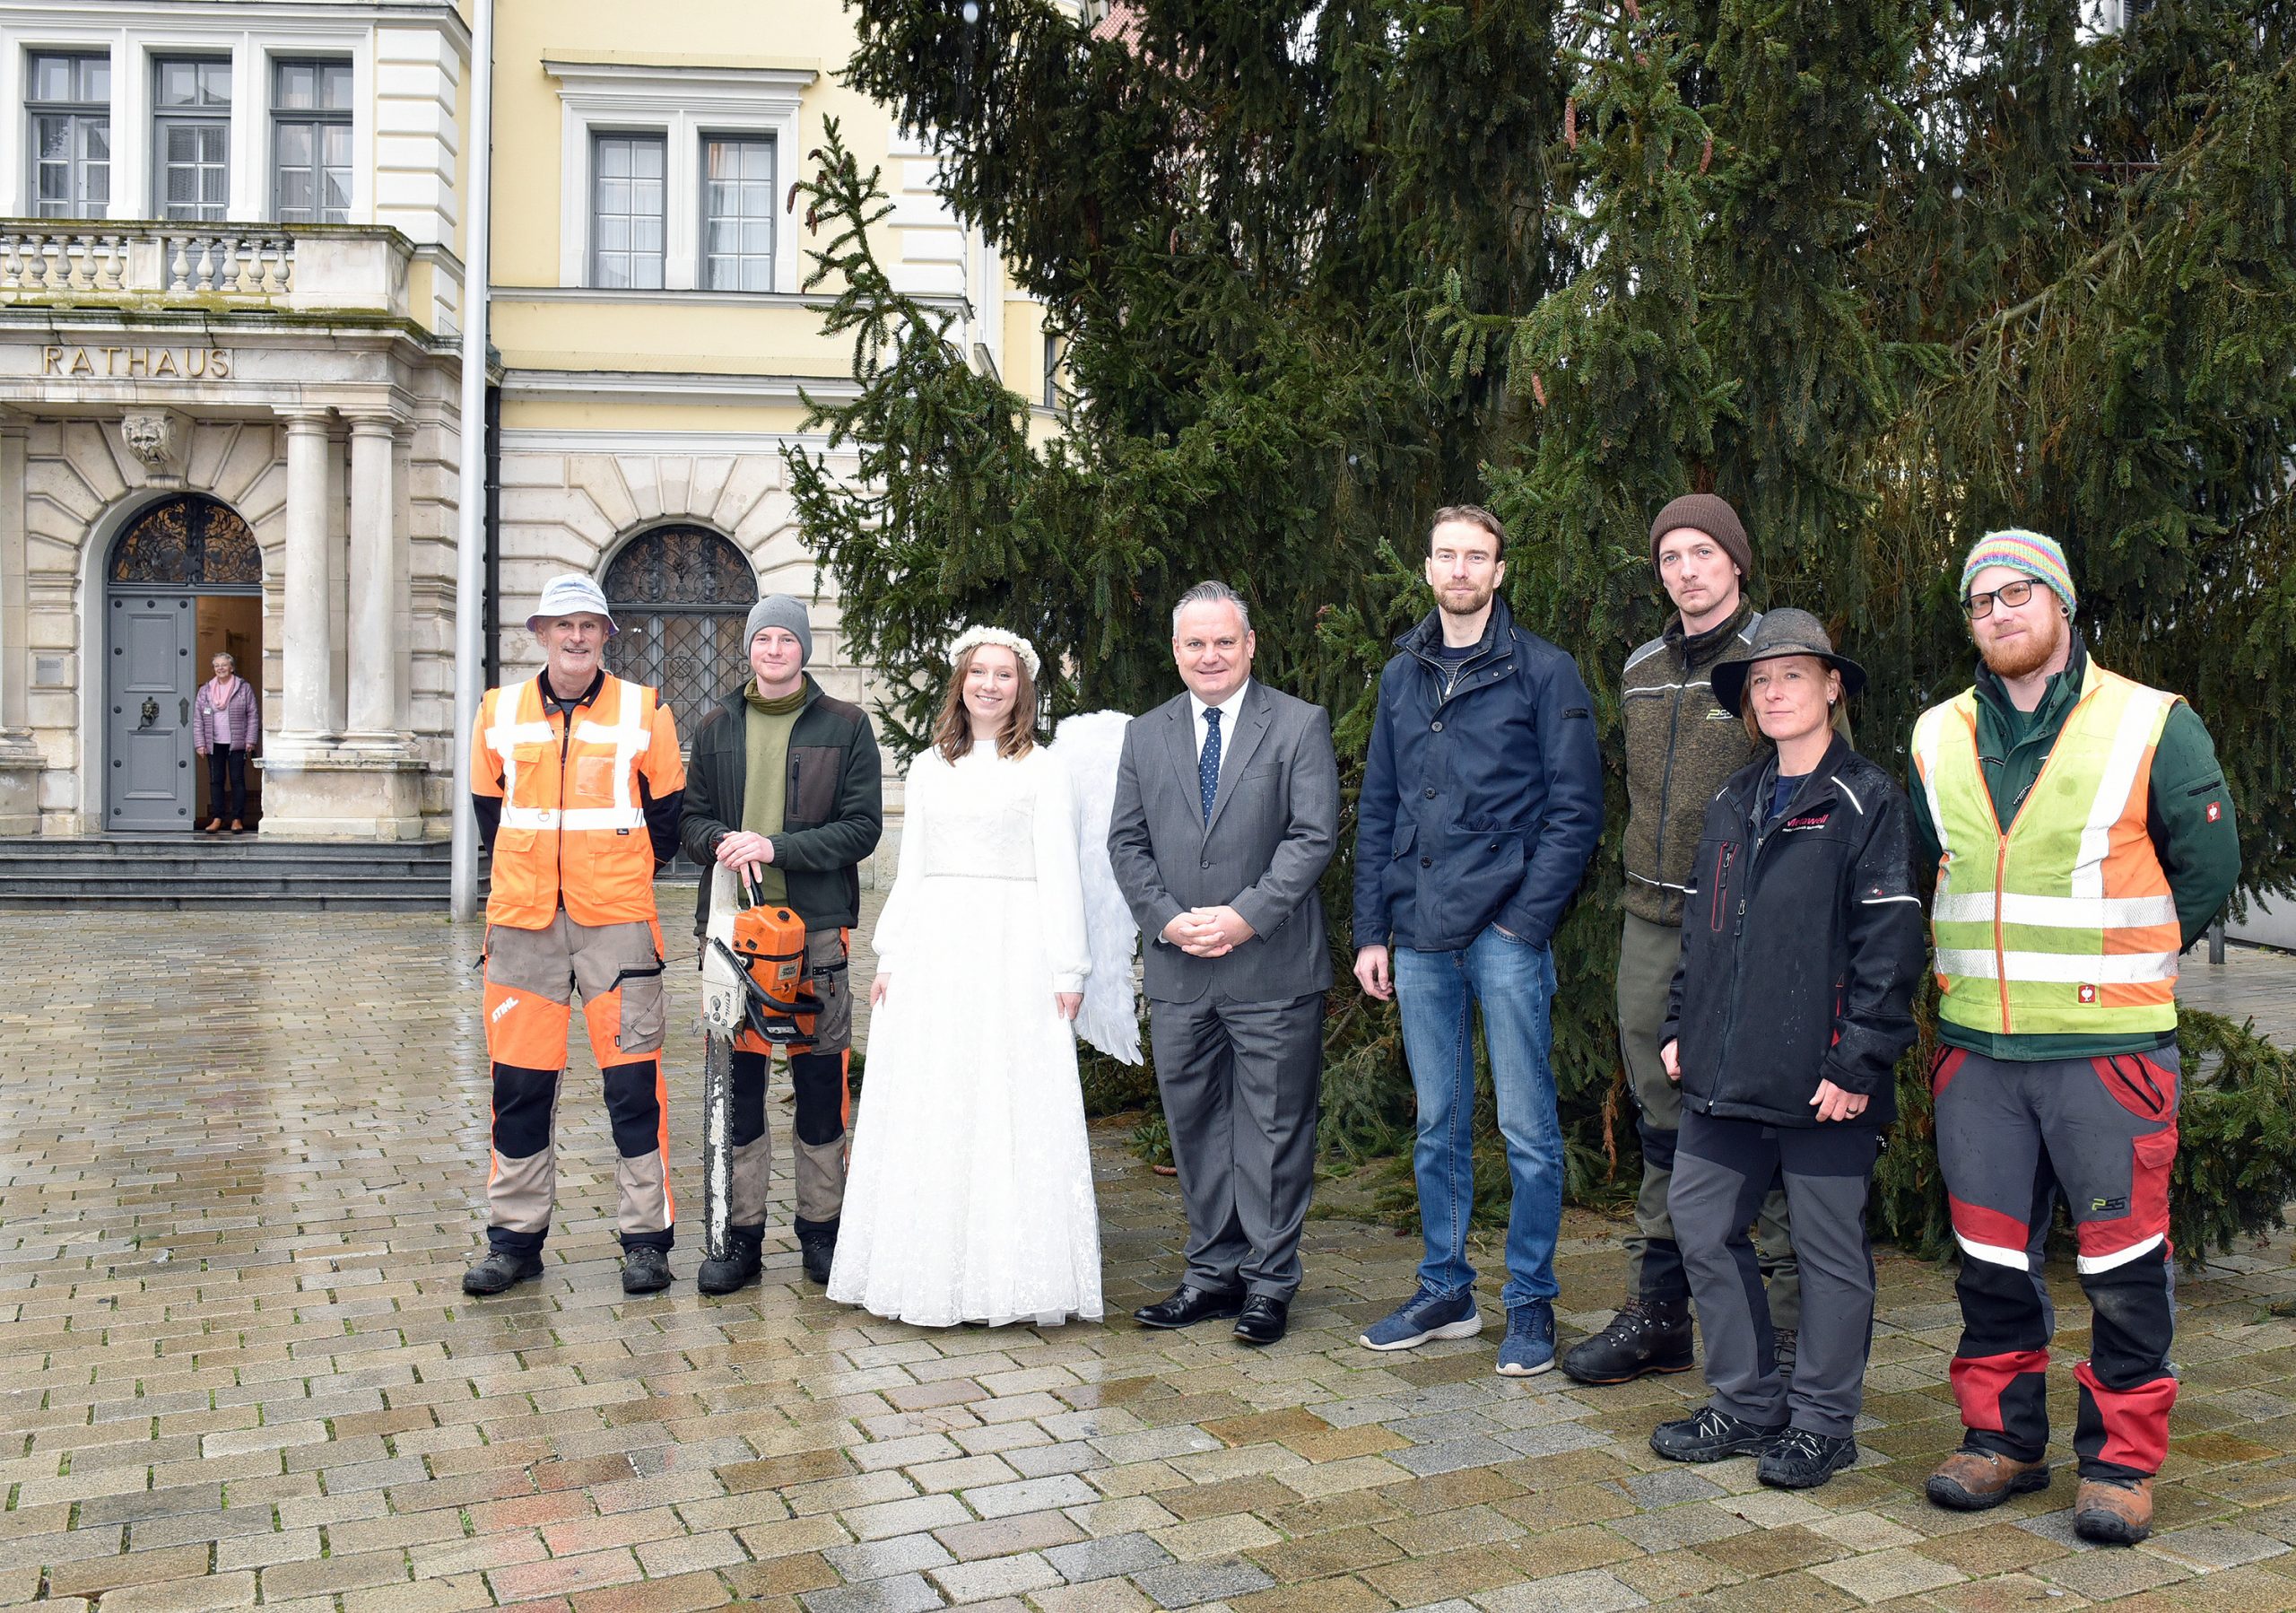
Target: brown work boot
[[2113, 1511], [1971, 1481]]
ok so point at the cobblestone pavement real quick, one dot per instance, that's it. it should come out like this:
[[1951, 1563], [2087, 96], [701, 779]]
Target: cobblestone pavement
[[238, 1175]]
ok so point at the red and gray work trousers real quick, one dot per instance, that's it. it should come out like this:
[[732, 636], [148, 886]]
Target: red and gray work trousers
[[532, 977], [2010, 1137]]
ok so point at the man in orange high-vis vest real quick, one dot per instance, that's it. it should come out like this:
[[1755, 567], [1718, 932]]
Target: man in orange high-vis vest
[[2082, 838], [579, 786]]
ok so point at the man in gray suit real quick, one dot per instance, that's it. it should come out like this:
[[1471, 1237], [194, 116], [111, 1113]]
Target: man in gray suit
[[1227, 810]]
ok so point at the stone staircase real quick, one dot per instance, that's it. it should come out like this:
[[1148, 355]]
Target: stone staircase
[[109, 873]]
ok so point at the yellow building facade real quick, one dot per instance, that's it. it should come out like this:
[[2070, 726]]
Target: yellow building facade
[[231, 244]]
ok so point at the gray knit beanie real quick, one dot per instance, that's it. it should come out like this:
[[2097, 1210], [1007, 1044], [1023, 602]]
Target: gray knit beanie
[[780, 610]]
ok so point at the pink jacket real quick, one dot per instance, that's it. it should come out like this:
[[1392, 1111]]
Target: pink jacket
[[242, 708]]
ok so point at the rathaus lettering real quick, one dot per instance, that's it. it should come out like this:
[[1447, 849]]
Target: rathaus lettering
[[138, 364]]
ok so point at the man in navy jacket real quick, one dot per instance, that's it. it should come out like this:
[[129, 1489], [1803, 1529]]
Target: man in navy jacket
[[1483, 801]]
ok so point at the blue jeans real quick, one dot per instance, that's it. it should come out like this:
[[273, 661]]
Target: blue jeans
[[1438, 992]]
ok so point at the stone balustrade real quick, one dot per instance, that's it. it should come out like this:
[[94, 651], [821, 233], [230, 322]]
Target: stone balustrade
[[99, 263]]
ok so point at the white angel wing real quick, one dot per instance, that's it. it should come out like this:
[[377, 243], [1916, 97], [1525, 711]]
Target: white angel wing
[[1088, 747]]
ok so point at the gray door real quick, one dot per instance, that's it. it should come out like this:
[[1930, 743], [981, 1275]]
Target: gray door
[[148, 711]]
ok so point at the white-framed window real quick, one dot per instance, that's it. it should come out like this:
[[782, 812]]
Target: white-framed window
[[629, 210], [722, 133], [310, 140], [67, 108], [191, 137], [117, 124], [737, 210]]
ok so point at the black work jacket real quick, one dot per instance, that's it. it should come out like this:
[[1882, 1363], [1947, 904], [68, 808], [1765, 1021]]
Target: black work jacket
[[833, 805], [1803, 941]]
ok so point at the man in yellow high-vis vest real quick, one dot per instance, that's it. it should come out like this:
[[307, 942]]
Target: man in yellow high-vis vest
[[2082, 838]]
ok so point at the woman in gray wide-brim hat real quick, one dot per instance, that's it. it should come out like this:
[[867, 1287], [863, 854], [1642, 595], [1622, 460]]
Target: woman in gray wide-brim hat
[[1786, 632], [1802, 943]]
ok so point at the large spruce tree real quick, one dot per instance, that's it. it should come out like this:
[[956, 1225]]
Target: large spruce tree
[[1885, 273]]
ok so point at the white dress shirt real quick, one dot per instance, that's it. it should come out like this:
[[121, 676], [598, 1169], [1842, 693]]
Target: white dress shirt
[[1227, 709]]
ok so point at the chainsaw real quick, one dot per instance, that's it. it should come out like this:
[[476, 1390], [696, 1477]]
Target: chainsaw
[[753, 965], [753, 979]]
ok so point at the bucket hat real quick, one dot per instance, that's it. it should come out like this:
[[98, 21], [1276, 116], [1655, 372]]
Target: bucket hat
[[571, 595], [1781, 633]]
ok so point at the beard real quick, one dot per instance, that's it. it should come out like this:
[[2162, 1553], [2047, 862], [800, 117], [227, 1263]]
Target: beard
[[2025, 656], [1467, 604]]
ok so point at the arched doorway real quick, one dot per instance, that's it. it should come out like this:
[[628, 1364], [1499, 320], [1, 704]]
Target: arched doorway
[[678, 597], [183, 584]]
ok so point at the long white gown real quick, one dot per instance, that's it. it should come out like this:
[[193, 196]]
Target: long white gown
[[969, 1197]]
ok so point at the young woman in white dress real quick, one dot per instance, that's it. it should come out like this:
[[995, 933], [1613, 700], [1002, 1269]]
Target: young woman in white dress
[[970, 1194]]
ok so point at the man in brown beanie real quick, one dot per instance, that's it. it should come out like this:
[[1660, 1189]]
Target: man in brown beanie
[[1682, 746]]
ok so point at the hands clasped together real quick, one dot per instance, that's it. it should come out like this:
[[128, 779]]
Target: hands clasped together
[[1208, 932]]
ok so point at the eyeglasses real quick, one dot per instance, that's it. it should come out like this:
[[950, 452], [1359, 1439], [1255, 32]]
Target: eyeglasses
[[2010, 594]]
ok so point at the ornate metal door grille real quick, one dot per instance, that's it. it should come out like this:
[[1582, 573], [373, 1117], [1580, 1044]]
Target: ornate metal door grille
[[189, 543], [679, 596]]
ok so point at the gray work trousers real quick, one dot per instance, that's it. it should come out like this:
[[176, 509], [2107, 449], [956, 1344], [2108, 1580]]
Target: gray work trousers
[[1646, 955], [1722, 1169]]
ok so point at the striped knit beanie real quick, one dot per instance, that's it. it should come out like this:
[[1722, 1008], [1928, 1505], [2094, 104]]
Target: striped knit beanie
[[2038, 557]]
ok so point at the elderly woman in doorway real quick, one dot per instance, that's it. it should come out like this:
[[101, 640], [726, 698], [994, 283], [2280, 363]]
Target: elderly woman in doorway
[[227, 726]]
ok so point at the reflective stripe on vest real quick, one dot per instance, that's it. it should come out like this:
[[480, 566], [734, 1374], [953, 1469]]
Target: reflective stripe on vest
[[2065, 922], [616, 729]]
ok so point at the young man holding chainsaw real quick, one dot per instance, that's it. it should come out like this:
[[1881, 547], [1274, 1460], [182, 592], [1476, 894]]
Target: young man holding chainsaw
[[785, 791]]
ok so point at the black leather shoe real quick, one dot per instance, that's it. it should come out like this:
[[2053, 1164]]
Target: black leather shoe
[[738, 1268], [1187, 1306], [645, 1269], [1264, 1319], [499, 1270]]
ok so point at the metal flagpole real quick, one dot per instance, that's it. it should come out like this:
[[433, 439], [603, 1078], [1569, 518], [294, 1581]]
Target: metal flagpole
[[470, 548]]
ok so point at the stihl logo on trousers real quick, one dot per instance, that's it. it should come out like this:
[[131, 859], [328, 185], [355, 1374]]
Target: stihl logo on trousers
[[501, 1008]]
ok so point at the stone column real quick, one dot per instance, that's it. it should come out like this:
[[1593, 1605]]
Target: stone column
[[374, 702], [305, 652], [20, 759]]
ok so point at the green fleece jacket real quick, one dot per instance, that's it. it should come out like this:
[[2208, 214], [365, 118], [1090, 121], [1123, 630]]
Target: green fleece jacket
[[2188, 818]]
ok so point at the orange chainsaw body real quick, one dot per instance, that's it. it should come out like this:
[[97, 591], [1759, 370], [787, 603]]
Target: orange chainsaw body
[[770, 946]]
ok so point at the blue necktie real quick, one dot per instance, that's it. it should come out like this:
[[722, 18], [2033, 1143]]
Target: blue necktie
[[1207, 769]]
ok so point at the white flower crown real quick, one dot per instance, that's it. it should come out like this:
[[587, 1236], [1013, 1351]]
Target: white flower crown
[[972, 638]]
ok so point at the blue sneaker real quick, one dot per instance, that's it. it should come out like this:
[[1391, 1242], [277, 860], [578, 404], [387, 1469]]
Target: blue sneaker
[[1528, 1349], [1427, 1314]]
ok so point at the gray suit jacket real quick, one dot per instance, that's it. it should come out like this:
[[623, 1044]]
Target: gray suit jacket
[[1275, 824]]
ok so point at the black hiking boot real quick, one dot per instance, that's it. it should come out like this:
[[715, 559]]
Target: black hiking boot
[[739, 1267], [1646, 1335], [1712, 1435], [497, 1269], [817, 1246], [1801, 1459], [645, 1269]]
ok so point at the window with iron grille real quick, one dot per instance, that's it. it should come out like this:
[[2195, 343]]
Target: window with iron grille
[[69, 116], [738, 214], [191, 136], [627, 198], [310, 142], [678, 597]]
